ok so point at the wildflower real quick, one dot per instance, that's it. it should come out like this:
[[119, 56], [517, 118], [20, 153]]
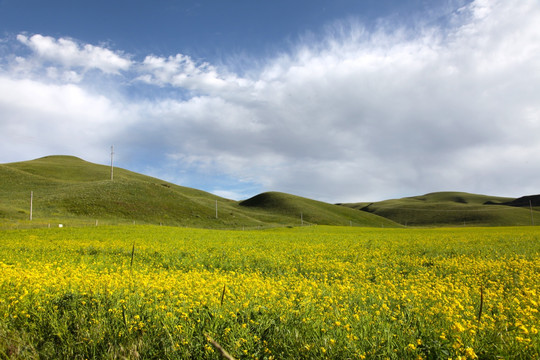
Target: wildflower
[[458, 327], [469, 352]]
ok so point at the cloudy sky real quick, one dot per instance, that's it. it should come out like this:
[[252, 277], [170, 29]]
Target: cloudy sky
[[340, 101]]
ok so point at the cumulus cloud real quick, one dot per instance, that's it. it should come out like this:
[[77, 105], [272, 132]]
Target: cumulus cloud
[[179, 70], [69, 54], [356, 115], [393, 112], [41, 119], [184, 72]]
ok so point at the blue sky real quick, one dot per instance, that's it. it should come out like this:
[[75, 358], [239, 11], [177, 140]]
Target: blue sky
[[334, 100], [197, 28]]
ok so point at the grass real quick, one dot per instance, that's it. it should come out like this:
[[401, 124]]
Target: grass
[[451, 209], [70, 190], [312, 293]]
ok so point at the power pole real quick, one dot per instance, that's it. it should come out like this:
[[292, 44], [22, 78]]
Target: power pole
[[216, 210], [532, 219], [112, 154], [31, 203]]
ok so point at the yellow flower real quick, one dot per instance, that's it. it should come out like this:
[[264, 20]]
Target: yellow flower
[[469, 352], [523, 329], [458, 327]]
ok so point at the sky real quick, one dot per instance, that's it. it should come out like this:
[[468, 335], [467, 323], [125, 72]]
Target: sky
[[339, 101]]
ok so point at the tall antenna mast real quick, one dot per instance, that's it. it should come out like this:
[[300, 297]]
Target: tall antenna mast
[[112, 154]]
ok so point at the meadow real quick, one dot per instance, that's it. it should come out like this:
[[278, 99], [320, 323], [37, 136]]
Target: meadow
[[292, 293]]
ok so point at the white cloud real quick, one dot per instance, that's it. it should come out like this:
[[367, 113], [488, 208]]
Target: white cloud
[[182, 71], [389, 113], [41, 119], [69, 54], [66, 76], [355, 116]]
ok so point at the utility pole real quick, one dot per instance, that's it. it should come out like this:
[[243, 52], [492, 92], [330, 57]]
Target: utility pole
[[112, 154], [216, 210], [31, 203], [532, 219]]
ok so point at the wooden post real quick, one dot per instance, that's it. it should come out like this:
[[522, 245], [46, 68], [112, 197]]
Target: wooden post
[[31, 203], [532, 219], [112, 153]]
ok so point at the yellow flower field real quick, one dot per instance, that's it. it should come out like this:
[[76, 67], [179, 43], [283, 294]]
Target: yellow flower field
[[314, 292]]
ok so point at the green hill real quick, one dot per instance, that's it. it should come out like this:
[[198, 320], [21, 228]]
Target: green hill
[[312, 211], [67, 189], [451, 209]]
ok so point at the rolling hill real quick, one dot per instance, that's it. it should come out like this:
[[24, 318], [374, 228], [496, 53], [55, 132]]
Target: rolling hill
[[68, 189], [311, 211], [454, 209]]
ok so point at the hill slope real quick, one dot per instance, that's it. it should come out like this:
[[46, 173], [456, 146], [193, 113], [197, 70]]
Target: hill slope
[[450, 209], [66, 187], [312, 211]]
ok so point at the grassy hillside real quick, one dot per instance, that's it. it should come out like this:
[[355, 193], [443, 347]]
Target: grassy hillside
[[66, 186], [312, 211], [450, 209], [67, 189]]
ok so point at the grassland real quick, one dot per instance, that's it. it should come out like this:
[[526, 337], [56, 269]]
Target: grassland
[[72, 191], [301, 293]]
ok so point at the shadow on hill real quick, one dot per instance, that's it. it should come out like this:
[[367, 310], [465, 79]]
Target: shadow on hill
[[525, 201]]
